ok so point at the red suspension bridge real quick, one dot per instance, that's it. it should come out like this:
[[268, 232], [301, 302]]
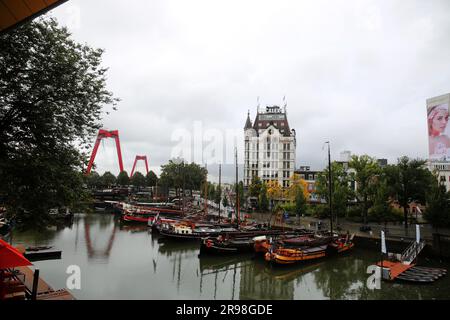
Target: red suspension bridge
[[104, 134]]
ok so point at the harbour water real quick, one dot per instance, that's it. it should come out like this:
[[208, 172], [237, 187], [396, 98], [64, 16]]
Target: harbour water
[[118, 261]]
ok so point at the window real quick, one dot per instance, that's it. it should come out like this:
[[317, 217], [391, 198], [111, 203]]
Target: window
[[442, 178]]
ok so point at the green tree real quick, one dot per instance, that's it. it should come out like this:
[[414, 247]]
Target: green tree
[[151, 179], [263, 199], [108, 179], [438, 206], [382, 209], [93, 180], [300, 202], [52, 91], [408, 181], [194, 175], [254, 189], [123, 179], [175, 175], [138, 180], [366, 170], [341, 191], [211, 191]]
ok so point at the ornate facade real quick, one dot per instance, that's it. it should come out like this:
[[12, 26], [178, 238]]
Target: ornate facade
[[270, 147]]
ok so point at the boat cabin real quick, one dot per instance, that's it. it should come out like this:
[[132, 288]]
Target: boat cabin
[[182, 229]]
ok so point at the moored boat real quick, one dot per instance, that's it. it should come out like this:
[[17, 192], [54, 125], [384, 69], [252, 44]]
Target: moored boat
[[133, 217], [191, 231], [262, 244], [340, 244], [295, 255], [243, 241]]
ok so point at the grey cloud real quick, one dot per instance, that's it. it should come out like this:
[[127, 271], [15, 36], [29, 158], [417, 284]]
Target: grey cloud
[[356, 72]]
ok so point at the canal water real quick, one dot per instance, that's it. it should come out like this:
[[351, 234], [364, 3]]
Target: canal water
[[128, 262]]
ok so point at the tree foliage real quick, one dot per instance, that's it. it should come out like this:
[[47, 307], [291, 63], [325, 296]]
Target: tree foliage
[[93, 180], [263, 199], [254, 189], [177, 175], [300, 201], [366, 170], [438, 206], [151, 179], [382, 209], [342, 192], [274, 190], [108, 179], [52, 91], [123, 179], [138, 180], [408, 181], [296, 184]]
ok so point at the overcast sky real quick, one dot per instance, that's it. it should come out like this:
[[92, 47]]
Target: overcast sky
[[355, 72]]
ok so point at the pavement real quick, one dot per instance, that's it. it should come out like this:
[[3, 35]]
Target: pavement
[[395, 231]]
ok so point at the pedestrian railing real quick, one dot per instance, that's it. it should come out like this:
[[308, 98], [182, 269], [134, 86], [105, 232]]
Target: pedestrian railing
[[411, 253]]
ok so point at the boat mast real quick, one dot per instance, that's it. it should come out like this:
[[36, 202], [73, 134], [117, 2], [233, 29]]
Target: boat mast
[[220, 188], [330, 189], [184, 192], [237, 190], [206, 190]]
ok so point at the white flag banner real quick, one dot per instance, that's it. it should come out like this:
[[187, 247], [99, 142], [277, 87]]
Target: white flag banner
[[417, 233], [383, 243]]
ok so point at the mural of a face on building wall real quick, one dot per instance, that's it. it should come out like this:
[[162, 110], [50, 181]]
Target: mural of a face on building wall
[[438, 135]]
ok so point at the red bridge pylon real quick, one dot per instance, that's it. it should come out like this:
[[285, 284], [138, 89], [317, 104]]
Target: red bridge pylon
[[134, 165], [102, 134]]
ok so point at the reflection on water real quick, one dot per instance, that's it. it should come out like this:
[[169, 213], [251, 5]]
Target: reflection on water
[[127, 262]]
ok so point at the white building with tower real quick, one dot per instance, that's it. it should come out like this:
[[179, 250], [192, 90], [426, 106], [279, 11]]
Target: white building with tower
[[270, 147]]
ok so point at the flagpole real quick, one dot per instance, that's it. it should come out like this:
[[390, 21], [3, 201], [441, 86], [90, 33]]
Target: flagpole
[[418, 242], [383, 248]]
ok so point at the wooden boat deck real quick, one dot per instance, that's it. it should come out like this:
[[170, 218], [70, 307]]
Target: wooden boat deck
[[43, 287], [44, 290], [62, 294], [396, 268], [411, 272]]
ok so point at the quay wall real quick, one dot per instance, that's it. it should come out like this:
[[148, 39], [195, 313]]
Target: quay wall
[[436, 248]]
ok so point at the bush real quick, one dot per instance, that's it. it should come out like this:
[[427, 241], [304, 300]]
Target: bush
[[289, 207], [319, 211], [354, 211]]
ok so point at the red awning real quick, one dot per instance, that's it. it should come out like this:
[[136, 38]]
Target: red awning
[[10, 257], [15, 12]]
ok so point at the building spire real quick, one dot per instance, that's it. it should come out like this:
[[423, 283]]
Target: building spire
[[257, 104], [248, 123]]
